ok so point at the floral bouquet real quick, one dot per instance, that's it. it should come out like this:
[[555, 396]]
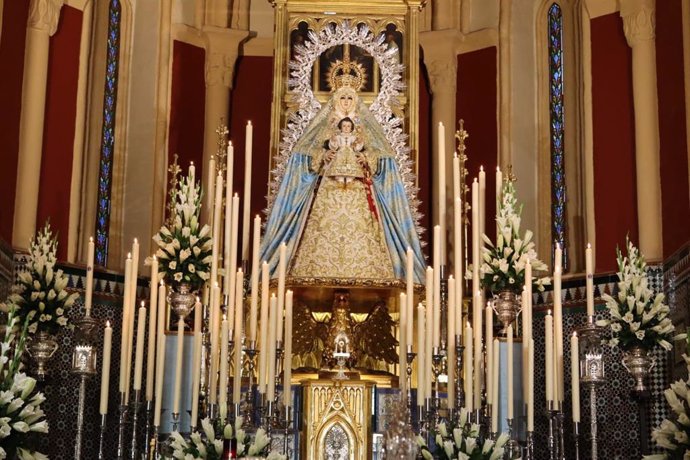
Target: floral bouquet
[[674, 436], [21, 416], [184, 250], [40, 294], [638, 318], [206, 445], [503, 264], [463, 442]]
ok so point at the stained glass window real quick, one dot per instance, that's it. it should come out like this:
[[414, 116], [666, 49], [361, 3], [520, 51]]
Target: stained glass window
[[108, 133], [558, 217]]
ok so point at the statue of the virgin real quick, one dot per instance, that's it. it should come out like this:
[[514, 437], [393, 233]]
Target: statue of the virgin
[[341, 207]]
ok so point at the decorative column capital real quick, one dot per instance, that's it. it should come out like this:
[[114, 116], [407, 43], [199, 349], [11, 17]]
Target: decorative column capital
[[222, 49], [440, 57], [639, 20], [44, 15], [442, 74]]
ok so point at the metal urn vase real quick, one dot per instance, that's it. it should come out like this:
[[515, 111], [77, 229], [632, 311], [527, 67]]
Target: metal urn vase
[[639, 363], [182, 298], [507, 306], [41, 348]]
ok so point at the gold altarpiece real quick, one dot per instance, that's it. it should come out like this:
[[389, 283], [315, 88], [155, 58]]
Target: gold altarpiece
[[342, 407]]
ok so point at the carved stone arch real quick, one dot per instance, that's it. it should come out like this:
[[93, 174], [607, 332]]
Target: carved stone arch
[[573, 132]]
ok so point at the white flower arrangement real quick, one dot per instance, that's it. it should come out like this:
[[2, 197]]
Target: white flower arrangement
[[503, 264], [638, 317], [463, 442], [673, 436], [184, 251], [208, 444], [40, 294], [21, 416]]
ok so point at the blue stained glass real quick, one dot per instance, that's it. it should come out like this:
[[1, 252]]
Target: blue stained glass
[[558, 192], [108, 140]]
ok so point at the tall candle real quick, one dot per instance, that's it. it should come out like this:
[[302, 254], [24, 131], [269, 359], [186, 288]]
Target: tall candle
[[558, 334], [482, 205], [402, 340], [437, 288], [105, 372], [499, 187], [548, 356], [282, 267], [125, 323], [469, 374], [239, 329], [255, 280], [139, 357], [528, 288], [178, 366], [478, 358], [215, 343], [489, 340], [530, 386], [450, 340], [160, 369], [223, 380], [231, 252], [421, 348], [271, 365], [215, 247], [442, 189], [191, 172], [495, 351], [160, 355], [211, 185], [458, 263], [287, 363], [88, 295], [475, 238], [510, 372], [196, 364], [409, 279], [227, 235], [525, 339], [130, 317], [263, 341], [575, 375], [589, 267], [428, 339], [151, 347], [246, 206]]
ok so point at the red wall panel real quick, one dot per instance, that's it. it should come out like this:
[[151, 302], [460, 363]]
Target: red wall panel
[[477, 104], [15, 15], [675, 202], [615, 195], [250, 100], [58, 130], [187, 105]]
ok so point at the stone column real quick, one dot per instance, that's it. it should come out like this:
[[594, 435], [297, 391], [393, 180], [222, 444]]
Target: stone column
[[441, 62], [44, 16], [221, 54], [639, 24]]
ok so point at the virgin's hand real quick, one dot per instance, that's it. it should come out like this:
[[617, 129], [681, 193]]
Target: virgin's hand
[[330, 156], [361, 159]]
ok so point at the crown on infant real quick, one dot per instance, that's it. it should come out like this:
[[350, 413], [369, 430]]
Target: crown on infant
[[346, 73]]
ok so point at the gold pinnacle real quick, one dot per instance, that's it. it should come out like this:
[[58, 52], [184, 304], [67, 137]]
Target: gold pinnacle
[[510, 177]]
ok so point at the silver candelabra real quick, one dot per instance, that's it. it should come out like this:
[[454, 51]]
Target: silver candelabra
[[592, 371], [84, 360]]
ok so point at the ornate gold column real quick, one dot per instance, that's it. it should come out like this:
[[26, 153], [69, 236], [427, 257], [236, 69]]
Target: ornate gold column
[[44, 16], [639, 24]]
